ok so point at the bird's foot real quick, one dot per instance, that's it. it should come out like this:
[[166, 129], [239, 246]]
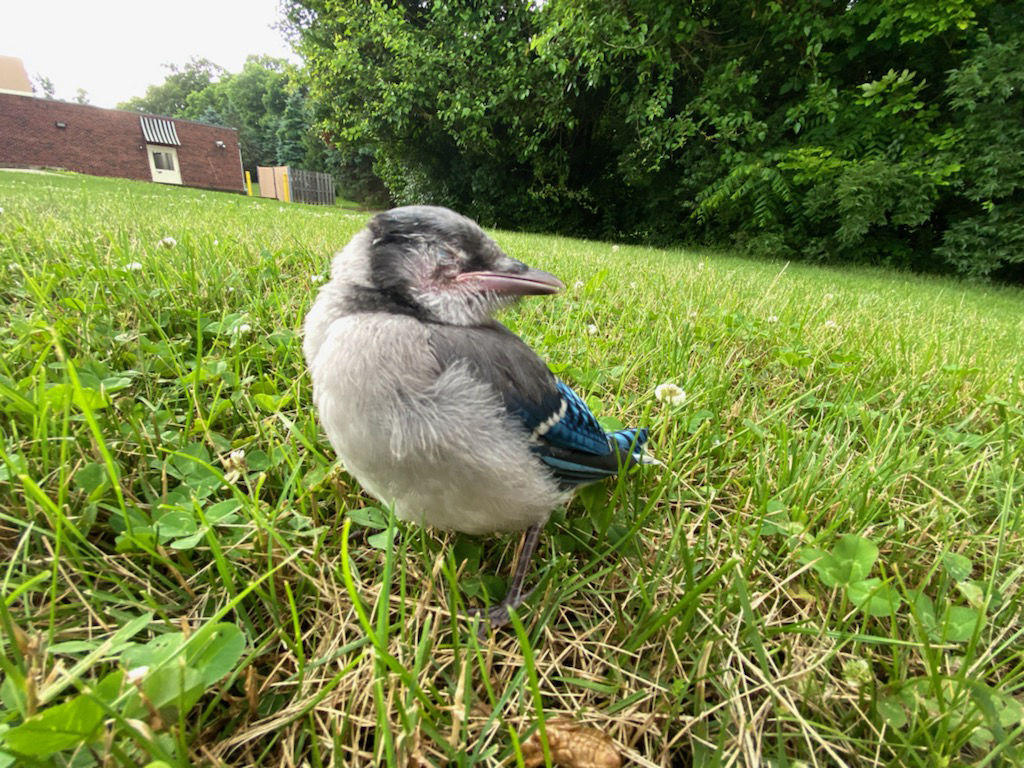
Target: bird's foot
[[360, 535], [498, 615]]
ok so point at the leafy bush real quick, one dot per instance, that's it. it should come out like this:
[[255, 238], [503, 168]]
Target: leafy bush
[[986, 234], [869, 132]]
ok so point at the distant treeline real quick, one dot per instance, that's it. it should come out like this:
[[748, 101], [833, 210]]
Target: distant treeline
[[269, 104], [854, 131]]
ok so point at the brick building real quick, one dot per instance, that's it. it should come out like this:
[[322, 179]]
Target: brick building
[[109, 142]]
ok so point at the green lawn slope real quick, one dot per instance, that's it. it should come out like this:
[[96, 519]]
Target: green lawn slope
[[827, 569]]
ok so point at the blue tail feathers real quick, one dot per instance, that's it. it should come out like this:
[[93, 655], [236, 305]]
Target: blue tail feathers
[[575, 468], [631, 442]]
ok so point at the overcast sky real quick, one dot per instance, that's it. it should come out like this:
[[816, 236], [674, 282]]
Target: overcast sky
[[114, 48]]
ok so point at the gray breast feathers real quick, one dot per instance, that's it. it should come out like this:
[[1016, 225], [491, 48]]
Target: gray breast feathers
[[433, 439]]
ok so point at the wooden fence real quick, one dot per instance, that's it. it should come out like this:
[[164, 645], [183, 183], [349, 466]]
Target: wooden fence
[[303, 186], [311, 186]]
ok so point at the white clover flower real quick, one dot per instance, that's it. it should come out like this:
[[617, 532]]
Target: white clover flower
[[857, 672], [693, 314], [831, 324], [577, 285], [216, 242], [168, 242], [134, 676], [234, 463], [244, 328], [231, 289], [132, 266], [592, 329], [615, 249], [669, 393], [1, 209], [829, 296], [772, 318], [314, 279], [632, 284]]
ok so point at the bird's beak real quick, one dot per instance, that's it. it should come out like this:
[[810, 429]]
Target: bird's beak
[[532, 282]]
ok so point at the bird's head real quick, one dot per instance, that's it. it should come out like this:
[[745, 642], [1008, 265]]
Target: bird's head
[[439, 265]]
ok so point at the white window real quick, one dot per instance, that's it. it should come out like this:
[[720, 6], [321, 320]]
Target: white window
[[163, 164], [163, 160]]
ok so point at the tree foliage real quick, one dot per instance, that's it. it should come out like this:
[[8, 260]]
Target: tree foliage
[[875, 132], [44, 86], [254, 101], [171, 96], [292, 130]]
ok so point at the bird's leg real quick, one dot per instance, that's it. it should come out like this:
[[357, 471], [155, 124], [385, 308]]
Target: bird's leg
[[498, 615], [515, 595]]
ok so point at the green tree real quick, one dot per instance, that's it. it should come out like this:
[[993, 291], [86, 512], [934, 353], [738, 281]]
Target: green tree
[[811, 129], [211, 116], [171, 96], [439, 94], [986, 232], [45, 85], [292, 129], [252, 101]]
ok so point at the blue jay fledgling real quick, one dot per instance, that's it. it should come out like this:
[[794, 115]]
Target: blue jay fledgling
[[436, 408]]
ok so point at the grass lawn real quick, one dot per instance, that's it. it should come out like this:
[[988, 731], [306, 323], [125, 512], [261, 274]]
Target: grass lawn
[[827, 570]]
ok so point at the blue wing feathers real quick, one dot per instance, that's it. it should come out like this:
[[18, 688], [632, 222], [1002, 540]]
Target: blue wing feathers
[[578, 450], [630, 440], [563, 431], [576, 429]]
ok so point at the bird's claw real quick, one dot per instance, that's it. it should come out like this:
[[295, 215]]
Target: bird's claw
[[498, 616]]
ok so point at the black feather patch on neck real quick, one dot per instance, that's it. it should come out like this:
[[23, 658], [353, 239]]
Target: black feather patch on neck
[[360, 299]]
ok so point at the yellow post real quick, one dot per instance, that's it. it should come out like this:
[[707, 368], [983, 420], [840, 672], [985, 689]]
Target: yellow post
[[284, 184], [248, 182]]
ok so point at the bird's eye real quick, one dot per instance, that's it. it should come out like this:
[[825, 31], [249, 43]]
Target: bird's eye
[[448, 263]]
